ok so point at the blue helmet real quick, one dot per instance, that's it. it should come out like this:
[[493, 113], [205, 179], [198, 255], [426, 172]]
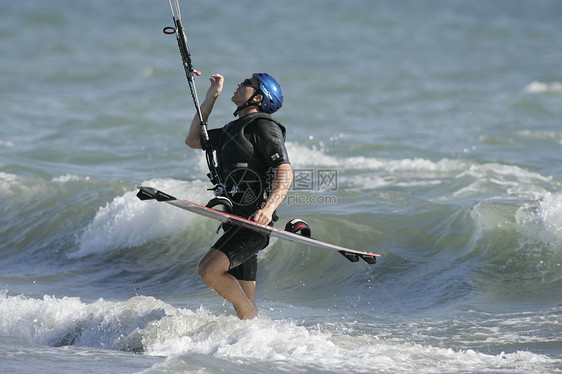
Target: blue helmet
[[271, 90]]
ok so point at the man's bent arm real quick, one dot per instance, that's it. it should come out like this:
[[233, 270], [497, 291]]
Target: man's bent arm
[[193, 139], [281, 185]]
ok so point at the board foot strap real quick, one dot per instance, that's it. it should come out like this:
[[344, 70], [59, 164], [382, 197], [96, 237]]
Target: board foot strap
[[149, 193]]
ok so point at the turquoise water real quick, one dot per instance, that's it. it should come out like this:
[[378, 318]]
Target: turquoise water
[[438, 121]]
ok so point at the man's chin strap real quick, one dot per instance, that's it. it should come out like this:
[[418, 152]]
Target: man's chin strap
[[247, 104]]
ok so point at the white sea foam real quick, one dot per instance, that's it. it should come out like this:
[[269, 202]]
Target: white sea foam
[[302, 156], [541, 87], [501, 182], [510, 196], [507, 172], [542, 135], [541, 221], [507, 180], [7, 143], [53, 322], [126, 221], [70, 178], [19, 186], [145, 324], [7, 180]]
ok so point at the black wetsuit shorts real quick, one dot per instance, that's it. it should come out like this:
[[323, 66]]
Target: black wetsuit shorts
[[241, 247]]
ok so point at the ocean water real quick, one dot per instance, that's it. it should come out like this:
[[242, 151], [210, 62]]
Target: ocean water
[[427, 131]]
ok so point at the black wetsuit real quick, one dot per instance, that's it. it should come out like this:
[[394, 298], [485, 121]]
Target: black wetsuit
[[247, 150]]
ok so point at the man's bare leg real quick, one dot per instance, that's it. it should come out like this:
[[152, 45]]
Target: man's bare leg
[[249, 288], [213, 270]]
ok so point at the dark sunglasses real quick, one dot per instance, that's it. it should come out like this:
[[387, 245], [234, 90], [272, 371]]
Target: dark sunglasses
[[248, 83]]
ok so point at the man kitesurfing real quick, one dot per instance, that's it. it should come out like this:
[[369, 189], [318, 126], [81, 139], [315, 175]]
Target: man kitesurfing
[[254, 165], [251, 177]]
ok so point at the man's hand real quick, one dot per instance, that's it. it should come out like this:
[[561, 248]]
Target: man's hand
[[263, 216], [214, 91]]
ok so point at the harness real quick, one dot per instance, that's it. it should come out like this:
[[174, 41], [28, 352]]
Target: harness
[[235, 132]]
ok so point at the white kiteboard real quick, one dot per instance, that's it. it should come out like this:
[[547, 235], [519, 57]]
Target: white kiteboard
[[150, 193]]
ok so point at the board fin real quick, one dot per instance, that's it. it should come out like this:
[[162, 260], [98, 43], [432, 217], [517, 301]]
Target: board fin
[[149, 193], [354, 257], [371, 260], [350, 256]]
